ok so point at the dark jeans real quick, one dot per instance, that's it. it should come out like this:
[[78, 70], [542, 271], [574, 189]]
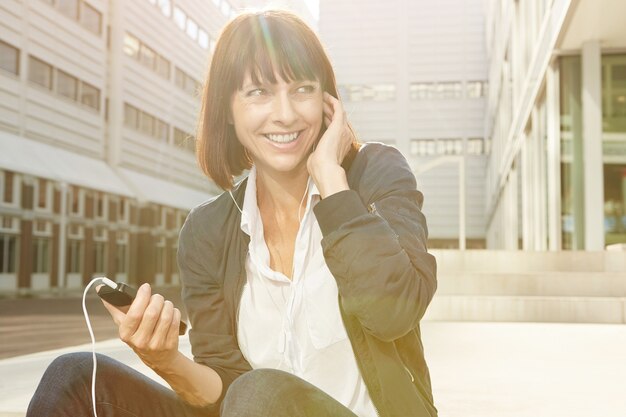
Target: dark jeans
[[65, 391]]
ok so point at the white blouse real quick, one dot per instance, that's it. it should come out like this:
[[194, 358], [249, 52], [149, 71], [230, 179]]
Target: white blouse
[[295, 325]]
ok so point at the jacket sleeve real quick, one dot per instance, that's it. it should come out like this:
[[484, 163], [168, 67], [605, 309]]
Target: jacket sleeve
[[212, 340], [377, 252]]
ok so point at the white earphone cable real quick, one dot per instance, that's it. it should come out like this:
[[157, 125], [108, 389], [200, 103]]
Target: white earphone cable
[[93, 344]]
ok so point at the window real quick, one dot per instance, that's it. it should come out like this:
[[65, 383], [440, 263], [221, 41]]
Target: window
[[74, 261], [225, 8], [449, 146], [123, 214], [423, 147], [131, 116], [147, 57], [9, 58], [43, 194], [475, 146], [179, 78], [131, 46], [39, 72], [449, 90], [420, 91], [8, 253], [121, 253], [375, 92], [162, 130], [90, 18], [184, 140], [166, 7], [100, 205], [41, 255], [192, 29], [160, 255], [203, 39], [90, 96], [67, 85], [76, 201], [68, 7], [163, 67], [100, 250], [9, 187], [476, 89], [146, 123], [180, 18]]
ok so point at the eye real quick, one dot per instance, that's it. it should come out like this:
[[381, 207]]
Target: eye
[[306, 89], [256, 92]]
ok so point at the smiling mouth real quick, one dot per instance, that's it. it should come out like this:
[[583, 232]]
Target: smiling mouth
[[286, 138]]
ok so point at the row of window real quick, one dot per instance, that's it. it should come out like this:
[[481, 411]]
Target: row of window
[[447, 90], [81, 11], [136, 49], [187, 83], [188, 25], [146, 123], [448, 146], [62, 83], [43, 197], [184, 140], [417, 91], [374, 92]]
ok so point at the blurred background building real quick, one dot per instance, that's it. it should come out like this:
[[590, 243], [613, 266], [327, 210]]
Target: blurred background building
[[556, 117], [98, 103], [413, 74], [512, 114]]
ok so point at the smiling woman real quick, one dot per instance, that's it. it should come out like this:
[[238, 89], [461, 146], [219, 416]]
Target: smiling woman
[[304, 283]]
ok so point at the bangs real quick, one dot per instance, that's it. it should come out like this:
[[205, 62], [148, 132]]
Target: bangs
[[272, 47]]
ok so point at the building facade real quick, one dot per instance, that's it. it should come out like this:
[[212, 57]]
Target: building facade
[[556, 117], [413, 74], [98, 105]]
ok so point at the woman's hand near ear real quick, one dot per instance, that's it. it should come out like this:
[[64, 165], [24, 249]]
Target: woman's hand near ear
[[324, 163]]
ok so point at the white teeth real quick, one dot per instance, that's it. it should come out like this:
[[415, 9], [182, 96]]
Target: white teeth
[[283, 138]]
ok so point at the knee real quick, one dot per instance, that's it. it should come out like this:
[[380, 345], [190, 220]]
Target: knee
[[70, 367], [255, 393]]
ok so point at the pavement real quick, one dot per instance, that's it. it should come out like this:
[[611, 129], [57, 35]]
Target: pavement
[[477, 369]]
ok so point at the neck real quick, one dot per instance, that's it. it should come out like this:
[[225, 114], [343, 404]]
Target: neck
[[281, 192]]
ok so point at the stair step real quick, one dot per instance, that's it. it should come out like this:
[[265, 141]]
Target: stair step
[[527, 309]]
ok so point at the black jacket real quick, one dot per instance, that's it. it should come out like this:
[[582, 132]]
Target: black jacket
[[374, 243]]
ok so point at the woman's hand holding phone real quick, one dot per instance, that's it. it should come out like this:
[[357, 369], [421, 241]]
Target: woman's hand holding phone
[[324, 163], [150, 326]]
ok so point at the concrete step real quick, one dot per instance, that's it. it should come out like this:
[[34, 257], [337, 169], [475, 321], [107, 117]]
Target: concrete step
[[563, 284], [527, 309], [453, 261]]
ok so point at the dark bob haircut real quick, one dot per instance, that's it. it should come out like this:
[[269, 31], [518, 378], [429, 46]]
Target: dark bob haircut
[[261, 44]]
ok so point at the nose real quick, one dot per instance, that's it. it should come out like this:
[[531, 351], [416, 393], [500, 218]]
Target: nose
[[284, 110]]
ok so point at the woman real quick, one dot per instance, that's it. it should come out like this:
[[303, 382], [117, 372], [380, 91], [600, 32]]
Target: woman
[[305, 282]]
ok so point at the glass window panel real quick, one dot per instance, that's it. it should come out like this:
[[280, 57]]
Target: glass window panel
[[42, 193], [192, 29], [147, 57], [7, 196], [203, 39], [41, 255], [162, 130], [67, 85], [166, 7], [146, 124], [475, 89], [179, 78], [180, 18], [9, 58], [475, 146], [90, 96], [163, 67], [225, 8], [39, 72], [131, 46], [90, 18], [68, 7], [131, 116]]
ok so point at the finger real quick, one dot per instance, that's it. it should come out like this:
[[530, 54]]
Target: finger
[[172, 334], [135, 313], [150, 318], [162, 327]]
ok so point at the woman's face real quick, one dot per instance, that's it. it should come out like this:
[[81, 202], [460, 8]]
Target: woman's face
[[278, 123]]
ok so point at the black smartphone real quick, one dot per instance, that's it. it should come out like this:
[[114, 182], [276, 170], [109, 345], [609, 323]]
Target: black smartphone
[[122, 295]]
